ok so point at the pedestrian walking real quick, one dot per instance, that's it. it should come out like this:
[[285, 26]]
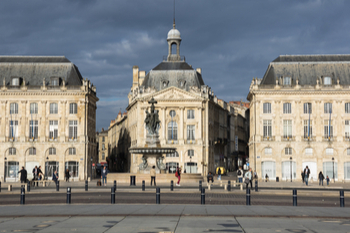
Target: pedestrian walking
[[55, 177], [240, 175], [40, 174], [67, 175], [23, 175], [327, 179], [320, 178], [248, 178], [255, 175], [219, 174], [178, 175], [302, 176], [104, 173], [153, 175], [306, 175]]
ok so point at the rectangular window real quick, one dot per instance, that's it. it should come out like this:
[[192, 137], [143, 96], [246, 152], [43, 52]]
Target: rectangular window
[[329, 151], [347, 129], [33, 129], [33, 108], [53, 108], [72, 151], [347, 107], [52, 151], [73, 129], [328, 108], [287, 128], [268, 151], [288, 150], [12, 151], [190, 114], [103, 139], [190, 132], [13, 129], [267, 107], [15, 81], [307, 129], [348, 151], [327, 81], [53, 129], [307, 108], [32, 151], [287, 81], [13, 108], [190, 153], [54, 82], [73, 109], [287, 108], [267, 128], [103, 156], [103, 146], [308, 151], [328, 129]]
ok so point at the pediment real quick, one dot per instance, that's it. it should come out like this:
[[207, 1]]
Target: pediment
[[174, 93]]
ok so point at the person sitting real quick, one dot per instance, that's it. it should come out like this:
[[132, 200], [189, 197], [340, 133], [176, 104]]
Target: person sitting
[[210, 177]]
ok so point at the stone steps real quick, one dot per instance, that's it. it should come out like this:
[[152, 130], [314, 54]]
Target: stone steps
[[125, 177]]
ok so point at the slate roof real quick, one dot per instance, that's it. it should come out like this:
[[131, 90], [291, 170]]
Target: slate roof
[[173, 72], [308, 68], [33, 69]]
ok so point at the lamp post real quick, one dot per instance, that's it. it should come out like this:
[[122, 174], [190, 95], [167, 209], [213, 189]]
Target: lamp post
[[6, 170], [291, 172], [47, 167], [333, 169]]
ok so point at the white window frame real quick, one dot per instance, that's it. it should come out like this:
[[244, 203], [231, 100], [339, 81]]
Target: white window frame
[[13, 129], [172, 155], [53, 129], [72, 151], [12, 151], [327, 107], [267, 128], [347, 107], [288, 151], [287, 108], [268, 151], [172, 131], [191, 132], [347, 128], [348, 151], [307, 107], [15, 82], [309, 151], [326, 124], [13, 108], [329, 151], [52, 151], [73, 129], [306, 125], [73, 108], [32, 151], [287, 129], [33, 129], [267, 108], [190, 114], [327, 81], [53, 108], [287, 81], [33, 108]]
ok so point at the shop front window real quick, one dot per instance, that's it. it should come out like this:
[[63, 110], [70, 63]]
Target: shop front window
[[50, 168], [73, 168], [11, 171], [269, 168], [191, 167], [171, 167]]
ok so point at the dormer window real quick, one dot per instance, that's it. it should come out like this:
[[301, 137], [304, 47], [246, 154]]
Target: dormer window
[[15, 81], [181, 83], [287, 81], [55, 81], [327, 81], [165, 84]]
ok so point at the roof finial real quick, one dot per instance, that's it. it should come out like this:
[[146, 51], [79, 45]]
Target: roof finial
[[174, 16]]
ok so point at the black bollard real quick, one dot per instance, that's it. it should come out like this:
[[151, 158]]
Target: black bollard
[[68, 195], [28, 186], [58, 186], [200, 185], [130, 180], [0, 186], [143, 185], [203, 196], [341, 192], [171, 185], [23, 196], [115, 185], [295, 201], [229, 185], [86, 185], [158, 196], [256, 186], [248, 196], [112, 195]]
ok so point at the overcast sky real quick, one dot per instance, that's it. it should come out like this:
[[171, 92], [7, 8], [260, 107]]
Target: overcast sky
[[232, 41]]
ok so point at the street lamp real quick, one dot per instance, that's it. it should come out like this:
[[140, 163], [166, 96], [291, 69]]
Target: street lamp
[[7, 168], [91, 167], [291, 172], [333, 169]]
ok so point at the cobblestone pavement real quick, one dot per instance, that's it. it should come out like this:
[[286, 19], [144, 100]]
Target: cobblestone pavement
[[170, 198]]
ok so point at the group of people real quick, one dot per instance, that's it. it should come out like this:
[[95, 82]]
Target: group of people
[[306, 174], [39, 175], [177, 175]]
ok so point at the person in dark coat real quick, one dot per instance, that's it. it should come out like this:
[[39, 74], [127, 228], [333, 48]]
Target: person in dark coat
[[306, 175], [302, 176], [55, 177], [320, 178], [67, 175], [23, 175]]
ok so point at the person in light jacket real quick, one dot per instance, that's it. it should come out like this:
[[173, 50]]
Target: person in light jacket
[[248, 175], [153, 175]]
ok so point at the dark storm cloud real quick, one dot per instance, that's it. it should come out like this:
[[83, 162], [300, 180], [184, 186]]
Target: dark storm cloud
[[232, 41]]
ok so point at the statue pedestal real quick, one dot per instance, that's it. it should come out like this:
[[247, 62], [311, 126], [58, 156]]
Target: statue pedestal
[[152, 141]]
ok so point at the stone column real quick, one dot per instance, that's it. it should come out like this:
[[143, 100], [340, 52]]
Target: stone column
[[63, 122], [164, 125], [22, 121], [3, 120], [42, 132], [181, 127], [199, 134]]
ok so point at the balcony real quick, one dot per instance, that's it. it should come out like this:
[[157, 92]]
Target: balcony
[[31, 139], [49, 139], [346, 139], [288, 138], [172, 142], [72, 139], [191, 141], [328, 139], [12, 139], [269, 138], [308, 139]]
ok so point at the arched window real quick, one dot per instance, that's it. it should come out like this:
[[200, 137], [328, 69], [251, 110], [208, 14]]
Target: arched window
[[52, 151], [53, 108], [308, 151], [73, 108], [72, 151], [32, 151], [33, 108], [173, 48], [13, 108], [190, 153], [172, 130], [268, 150]]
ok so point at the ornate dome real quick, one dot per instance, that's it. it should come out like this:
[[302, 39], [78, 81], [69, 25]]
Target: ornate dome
[[174, 34]]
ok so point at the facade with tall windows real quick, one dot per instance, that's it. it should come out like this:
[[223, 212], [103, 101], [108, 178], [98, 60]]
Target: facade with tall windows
[[48, 117], [193, 119], [299, 116]]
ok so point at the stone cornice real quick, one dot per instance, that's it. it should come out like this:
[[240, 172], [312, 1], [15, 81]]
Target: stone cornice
[[310, 92]]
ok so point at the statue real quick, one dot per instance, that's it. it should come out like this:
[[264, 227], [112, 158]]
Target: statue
[[152, 119], [160, 163], [144, 163]]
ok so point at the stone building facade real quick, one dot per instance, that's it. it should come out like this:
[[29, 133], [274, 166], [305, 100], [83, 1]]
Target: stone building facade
[[48, 117], [299, 116], [102, 146], [192, 119]]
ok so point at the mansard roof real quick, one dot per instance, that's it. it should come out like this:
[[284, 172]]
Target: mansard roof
[[173, 73], [308, 68], [33, 69]]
